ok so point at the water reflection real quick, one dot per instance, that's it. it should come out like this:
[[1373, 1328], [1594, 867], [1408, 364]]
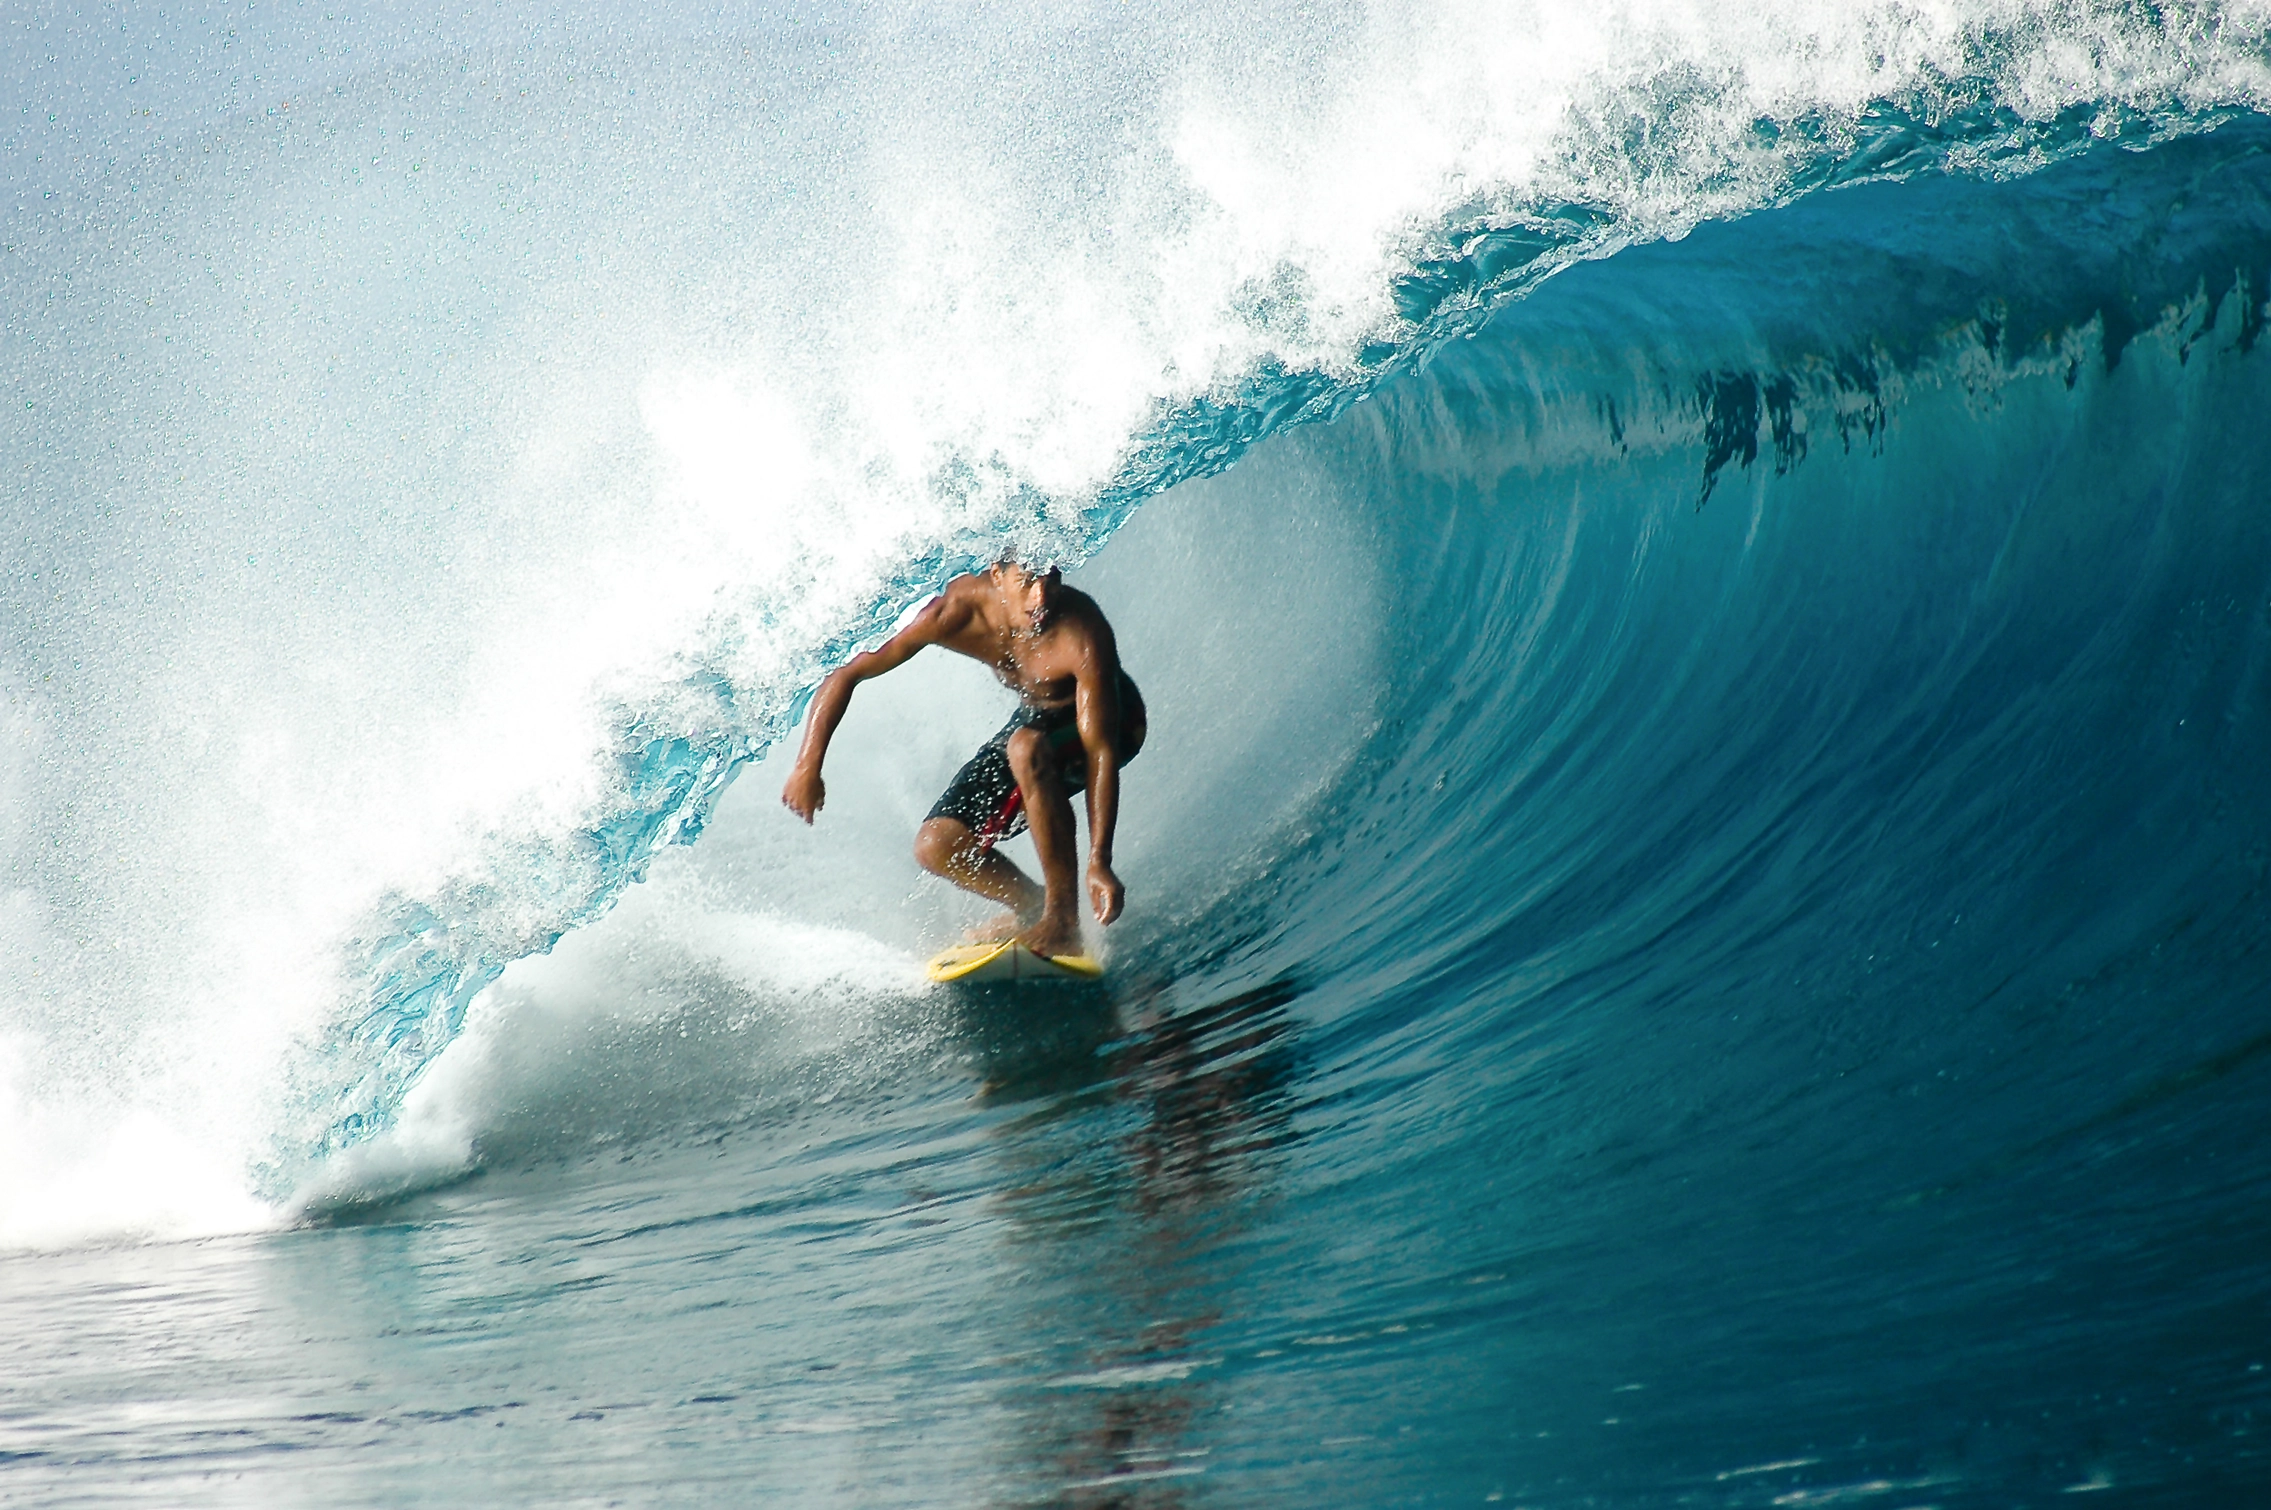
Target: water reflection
[[1136, 1182]]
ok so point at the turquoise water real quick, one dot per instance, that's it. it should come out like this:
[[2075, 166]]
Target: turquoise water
[[1698, 919]]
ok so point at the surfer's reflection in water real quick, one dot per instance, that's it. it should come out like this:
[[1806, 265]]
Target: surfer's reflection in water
[[1144, 1161]]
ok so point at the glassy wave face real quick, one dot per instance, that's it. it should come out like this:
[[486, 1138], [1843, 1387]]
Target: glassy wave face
[[1698, 918]]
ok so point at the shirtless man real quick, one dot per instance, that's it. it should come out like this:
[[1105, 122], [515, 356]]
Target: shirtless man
[[1081, 719]]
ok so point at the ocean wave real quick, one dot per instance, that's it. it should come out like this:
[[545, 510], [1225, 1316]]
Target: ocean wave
[[442, 478]]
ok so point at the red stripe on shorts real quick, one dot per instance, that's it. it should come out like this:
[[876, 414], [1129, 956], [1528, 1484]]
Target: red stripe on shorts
[[998, 825]]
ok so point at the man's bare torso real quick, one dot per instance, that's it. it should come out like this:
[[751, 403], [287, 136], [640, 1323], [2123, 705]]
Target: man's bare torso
[[1041, 666]]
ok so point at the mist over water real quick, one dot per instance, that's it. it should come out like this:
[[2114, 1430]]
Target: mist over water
[[1697, 888]]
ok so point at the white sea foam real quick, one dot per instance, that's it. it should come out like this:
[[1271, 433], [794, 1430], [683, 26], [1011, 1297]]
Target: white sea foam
[[387, 444]]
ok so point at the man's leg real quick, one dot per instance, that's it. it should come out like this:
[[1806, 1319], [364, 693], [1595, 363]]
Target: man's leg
[[1048, 811], [947, 848]]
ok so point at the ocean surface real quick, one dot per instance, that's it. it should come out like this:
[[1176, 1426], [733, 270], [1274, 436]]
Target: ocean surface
[[1699, 898]]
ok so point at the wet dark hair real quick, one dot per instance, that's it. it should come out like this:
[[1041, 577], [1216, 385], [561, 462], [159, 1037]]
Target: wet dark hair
[[1027, 561]]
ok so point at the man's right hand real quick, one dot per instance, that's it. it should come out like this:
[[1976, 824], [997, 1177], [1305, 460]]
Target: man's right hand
[[804, 793]]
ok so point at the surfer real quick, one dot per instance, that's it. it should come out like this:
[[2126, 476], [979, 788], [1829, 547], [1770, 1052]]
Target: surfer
[[1079, 719]]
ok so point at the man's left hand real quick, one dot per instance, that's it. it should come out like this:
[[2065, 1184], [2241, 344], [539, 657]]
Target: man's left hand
[[1105, 894]]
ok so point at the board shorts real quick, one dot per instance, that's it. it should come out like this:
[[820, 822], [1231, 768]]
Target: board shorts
[[983, 796]]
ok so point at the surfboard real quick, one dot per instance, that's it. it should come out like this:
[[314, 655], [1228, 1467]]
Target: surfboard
[[1009, 960]]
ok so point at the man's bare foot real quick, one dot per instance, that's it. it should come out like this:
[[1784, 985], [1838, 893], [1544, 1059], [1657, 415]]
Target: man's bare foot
[[1052, 938], [1007, 925]]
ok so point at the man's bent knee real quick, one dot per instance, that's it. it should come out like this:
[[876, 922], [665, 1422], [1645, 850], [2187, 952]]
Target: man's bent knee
[[942, 846]]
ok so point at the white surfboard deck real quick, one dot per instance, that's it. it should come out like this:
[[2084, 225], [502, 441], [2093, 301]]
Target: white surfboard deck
[[1009, 960]]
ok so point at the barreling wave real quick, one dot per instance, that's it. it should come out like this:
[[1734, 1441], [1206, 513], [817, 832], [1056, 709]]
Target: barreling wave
[[423, 960], [440, 481]]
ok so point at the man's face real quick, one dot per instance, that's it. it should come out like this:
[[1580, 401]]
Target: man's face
[[1030, 594]]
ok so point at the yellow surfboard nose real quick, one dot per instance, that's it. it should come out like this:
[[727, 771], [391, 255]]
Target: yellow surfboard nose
[[1009, 960]]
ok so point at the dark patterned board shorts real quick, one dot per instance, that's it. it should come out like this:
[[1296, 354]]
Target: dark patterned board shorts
[[983, 795]]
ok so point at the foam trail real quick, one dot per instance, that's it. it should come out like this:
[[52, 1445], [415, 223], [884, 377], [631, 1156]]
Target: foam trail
[[436, 481]]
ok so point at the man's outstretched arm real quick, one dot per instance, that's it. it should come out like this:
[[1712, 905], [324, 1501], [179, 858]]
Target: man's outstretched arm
[[805, 792], [1098, 712]]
